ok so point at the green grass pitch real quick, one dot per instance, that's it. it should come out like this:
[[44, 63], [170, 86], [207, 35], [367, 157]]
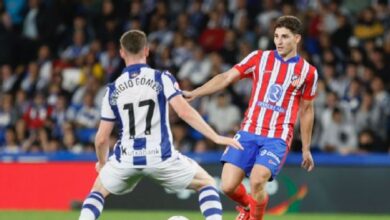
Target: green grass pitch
[[164, 215]]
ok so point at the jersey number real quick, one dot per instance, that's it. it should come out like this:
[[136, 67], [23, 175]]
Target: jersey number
[[149, 115]]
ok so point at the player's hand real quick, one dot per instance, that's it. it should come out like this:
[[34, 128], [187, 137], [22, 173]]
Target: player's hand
[[189, 95], [229, 141], [307, 161], [99, 166]]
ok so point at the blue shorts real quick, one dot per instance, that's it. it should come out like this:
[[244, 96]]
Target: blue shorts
[[269, 152]]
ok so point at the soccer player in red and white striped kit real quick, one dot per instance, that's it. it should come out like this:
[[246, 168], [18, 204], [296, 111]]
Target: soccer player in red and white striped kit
[[283, 85]]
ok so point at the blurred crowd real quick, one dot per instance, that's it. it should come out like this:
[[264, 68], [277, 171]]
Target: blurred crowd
[[57, 56]]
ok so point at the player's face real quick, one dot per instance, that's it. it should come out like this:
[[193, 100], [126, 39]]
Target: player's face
[[286, 42]]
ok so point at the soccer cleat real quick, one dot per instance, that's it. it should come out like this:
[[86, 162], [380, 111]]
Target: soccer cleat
[[243, 213]]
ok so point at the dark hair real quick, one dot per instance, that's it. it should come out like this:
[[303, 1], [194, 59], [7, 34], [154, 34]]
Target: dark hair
[[133, 41], [290, 22]]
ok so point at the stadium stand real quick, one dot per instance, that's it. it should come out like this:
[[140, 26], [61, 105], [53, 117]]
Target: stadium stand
[[57, 56]]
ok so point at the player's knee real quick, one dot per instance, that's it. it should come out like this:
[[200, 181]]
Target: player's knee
[[227, 189], [258, 184], [208, 181]]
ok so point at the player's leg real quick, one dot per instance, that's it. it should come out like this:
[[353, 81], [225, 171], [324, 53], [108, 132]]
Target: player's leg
[[209, 200], [94, 203], [233, 188], [111, 180], [181, 172], [258, 203], [231, 185], [237, 165], [269, 162]]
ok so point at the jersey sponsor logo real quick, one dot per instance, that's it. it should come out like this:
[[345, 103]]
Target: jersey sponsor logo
[[270, 154], [272, 107], [139, 153], [275, 92], [272, 162]]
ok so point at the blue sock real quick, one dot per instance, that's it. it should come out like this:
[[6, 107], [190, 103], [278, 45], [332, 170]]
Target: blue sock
[[210, 203], [92, 206]]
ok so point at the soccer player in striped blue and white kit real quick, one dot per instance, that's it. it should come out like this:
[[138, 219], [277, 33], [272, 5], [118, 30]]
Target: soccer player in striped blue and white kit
[[138, 102]]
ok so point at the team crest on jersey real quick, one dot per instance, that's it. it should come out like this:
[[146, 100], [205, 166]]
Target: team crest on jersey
[[295, 80], [275, 92]]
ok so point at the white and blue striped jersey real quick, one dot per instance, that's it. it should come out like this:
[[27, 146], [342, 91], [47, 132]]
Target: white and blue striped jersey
[[138, 102]]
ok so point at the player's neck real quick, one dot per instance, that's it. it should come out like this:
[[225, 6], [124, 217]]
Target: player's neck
[[289, 56], [131, 61]]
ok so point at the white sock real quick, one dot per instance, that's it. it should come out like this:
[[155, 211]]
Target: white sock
[[210, 203], [92, 206]]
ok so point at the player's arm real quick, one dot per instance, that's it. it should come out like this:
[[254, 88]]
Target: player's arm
[[217, 83], [193, 118], [102, 140], [306, 126]]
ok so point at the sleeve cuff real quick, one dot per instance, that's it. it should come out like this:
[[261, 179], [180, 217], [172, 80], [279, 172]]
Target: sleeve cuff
[[107, 119], [175, 94]]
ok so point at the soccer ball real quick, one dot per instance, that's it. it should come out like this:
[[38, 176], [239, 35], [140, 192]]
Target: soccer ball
[[177, 217]]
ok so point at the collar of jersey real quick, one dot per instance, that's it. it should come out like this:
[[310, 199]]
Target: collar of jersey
[[134, 68], [291, 60]]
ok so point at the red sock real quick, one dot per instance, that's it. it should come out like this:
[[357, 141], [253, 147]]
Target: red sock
[[257, 210], [240, 195]]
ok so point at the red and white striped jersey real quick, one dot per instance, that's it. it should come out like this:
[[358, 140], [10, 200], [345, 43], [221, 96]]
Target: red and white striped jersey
[[277, 87]]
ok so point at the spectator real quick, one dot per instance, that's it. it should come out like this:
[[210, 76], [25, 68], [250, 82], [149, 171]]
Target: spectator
[[11, 144], [368, 27], [339, 135], [31, 82], [87, 119], [8, 78], [77, 48], [180, 137], [88, 116], [369, 115], [369, 142], [197, 70], [21, 103], [37, 113], [229, 50], [196, 16], [341, 35], [352, 98], [60, 115], [110, 60], [223, 115], [45, 64], [351, 54], [8, 116]]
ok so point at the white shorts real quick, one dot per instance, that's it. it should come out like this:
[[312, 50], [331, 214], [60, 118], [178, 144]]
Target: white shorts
[[174, 174]]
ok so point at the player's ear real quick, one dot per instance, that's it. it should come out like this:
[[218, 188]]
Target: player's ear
[[146, 51], [298, 38], [122, 53]]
